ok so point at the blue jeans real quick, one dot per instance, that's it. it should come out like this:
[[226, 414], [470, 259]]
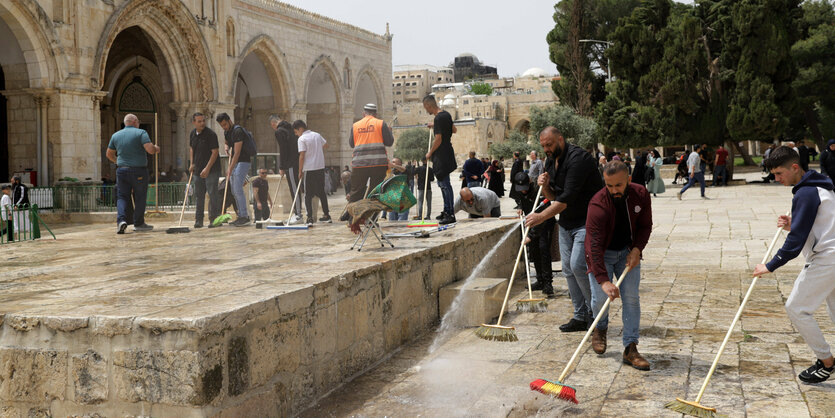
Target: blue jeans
[[700, 177], [446, 192], [131, 181], [720, 171], [239, 174], [473, 183], [399, 216], [573, 254], [631, 312]]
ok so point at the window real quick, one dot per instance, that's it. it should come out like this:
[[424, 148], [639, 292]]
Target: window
[[420, 76], [397, 92], [406, 110], [466, 101]]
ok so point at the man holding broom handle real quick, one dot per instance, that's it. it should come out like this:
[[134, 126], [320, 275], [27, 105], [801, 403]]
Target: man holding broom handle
[[811, 232], [570, 180], [618, 226]]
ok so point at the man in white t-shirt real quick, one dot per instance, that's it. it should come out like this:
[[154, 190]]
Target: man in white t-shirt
[[312, 169], [694, 167], [5, 208]]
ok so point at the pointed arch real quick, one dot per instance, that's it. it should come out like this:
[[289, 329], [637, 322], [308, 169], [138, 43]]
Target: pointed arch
[[35, 35], [277, 68], [330, 68], [361, 94]]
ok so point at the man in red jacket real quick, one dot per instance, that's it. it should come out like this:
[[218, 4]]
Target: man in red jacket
[[618, 225]]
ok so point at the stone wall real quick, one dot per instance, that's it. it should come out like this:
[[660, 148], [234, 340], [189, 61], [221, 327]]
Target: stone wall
[[272, 358]]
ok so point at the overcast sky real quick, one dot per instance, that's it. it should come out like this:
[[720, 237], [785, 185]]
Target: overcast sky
[[507, 34]]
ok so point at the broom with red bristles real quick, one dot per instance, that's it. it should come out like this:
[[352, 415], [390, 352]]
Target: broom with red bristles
[[558, 388]]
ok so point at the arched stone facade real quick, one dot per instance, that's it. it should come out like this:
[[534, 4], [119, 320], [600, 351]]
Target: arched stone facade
[[62, 76]]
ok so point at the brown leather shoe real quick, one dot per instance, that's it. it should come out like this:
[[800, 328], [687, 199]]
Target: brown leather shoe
[[633, 358], [598, 340]]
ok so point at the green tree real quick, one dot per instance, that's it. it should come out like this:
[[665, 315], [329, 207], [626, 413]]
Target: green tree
[[412, 144], [481, 88], [516, 142], [577, 129]]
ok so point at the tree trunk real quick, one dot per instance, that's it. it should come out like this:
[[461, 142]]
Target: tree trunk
[[730, 163], [743, 153], [812, 122]]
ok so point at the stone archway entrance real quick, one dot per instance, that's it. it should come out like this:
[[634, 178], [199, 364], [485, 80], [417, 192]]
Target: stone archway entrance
[[138, 81], [259, 92], [324, 110], [366, 92]]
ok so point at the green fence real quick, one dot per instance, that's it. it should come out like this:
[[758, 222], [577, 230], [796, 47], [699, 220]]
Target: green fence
[[20, 224], [102, 198]]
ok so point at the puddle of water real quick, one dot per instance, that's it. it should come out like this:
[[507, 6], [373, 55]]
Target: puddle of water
[[451, 319]]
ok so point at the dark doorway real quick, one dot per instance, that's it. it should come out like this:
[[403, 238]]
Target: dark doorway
[[4, 133]]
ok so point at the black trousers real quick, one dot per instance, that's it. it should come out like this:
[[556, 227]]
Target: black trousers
[[539, 250], [359, 178], [314, 185], [292, 176]]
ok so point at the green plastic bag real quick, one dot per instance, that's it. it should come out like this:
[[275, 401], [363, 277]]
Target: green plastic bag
[[394, 193]]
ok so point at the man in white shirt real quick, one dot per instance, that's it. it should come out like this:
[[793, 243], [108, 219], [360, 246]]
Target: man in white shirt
[[696, 174], [5, 209], [312, 169]]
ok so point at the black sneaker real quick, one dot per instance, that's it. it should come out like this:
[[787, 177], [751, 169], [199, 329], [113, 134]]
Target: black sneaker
[[816, 374], [538, 285], [345, 217], [574, 326], [441, 216], [143, 228], [309, 221], [198, 225], [122, 227], [241, 222], [448, 219], [548, 290], [326, 219]]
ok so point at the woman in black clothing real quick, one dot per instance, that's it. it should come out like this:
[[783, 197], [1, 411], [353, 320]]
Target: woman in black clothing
[[496, 183]]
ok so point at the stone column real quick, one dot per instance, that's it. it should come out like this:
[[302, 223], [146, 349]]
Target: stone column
[[180, 140], [73, 120]]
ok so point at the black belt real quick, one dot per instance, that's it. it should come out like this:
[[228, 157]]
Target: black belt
[[125, 166]]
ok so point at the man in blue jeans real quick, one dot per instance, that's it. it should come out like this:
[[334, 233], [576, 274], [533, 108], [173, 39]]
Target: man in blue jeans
[[694, 167], [569, 181], [241, 149], [442, 155], [128, 149], [618, 226]]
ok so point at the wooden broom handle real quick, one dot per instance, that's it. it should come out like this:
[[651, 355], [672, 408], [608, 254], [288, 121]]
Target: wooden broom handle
[[736, 317], [426, 179], [295, 197], [185, 199], [516, 264], [275, 195], [527, 263], [591, 327]]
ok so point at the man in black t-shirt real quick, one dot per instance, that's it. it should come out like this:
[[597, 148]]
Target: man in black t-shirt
[[288, 158], [262, 206], [442, 155], [241, 148], [570, 181], [204, 153]]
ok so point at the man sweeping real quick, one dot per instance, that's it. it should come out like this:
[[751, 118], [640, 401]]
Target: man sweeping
[[540, 236], [811, 229], [618, 226]]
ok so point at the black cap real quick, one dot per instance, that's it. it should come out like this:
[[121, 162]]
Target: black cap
[[521, 182]]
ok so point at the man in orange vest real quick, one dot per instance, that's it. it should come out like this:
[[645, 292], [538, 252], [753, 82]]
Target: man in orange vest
[[369, 138]]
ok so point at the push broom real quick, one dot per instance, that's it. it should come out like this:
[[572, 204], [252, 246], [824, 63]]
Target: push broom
[[499, 332], [530, 304], [423, 223], [695, 409], [180, 229], [224, 217], [558, 388], [287, 225]]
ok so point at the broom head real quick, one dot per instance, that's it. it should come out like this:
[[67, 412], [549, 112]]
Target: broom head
[[177, 230], [555, 389], [422, 224], [692, 409], [221, 219], [531, 305], [288, 227], [496, 333]]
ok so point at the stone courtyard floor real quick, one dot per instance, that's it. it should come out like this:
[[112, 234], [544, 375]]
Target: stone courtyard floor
[[694, 274]]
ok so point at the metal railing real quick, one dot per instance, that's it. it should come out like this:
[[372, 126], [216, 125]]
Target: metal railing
[[102, 198], [20, 224]]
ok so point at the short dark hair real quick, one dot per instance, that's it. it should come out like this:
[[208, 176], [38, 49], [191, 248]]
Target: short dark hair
[[223, 117], [613, 167], [5, 187], [430, 99], [782, 156], [299, 124], [697, 147], [195, 115]]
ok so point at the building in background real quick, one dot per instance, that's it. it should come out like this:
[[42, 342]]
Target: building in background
[[467, 67], [413, 82]]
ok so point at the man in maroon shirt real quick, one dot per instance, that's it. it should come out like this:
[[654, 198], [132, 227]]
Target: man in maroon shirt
[[720, 168], [618, 225]]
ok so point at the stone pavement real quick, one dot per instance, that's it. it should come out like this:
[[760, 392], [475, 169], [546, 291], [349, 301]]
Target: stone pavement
[[694, 274]]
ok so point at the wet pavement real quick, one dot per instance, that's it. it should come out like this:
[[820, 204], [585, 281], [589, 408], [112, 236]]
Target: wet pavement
[[695, 272]]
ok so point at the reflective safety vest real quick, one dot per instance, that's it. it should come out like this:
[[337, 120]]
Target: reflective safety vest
[[369, 150]]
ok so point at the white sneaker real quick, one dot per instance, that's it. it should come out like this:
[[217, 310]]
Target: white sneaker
[[295, 219]]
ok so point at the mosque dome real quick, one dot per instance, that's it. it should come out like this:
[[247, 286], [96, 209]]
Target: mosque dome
[[534, 72]]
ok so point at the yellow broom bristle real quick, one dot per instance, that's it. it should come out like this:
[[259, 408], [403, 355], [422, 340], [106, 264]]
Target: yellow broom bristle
[[555, 389], [691, 408], [531, 305], [496, 333]]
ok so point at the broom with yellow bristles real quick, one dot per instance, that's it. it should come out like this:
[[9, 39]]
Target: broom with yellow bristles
[[498, 332], [558, 388], [695, 409], [530, 304]]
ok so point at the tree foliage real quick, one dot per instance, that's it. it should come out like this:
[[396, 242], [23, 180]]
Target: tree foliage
[[516, 142], [481, 88], [577, 129], [412, 144]]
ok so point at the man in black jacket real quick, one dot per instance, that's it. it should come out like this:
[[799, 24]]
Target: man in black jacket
[[517, 167], [539, 247], [570, 181], [20, 193], [288, 157], [828, 159]]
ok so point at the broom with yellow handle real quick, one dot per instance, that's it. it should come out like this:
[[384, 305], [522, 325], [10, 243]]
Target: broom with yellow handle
[[530, 304], [558, 388], [695, 409], [498, 332]]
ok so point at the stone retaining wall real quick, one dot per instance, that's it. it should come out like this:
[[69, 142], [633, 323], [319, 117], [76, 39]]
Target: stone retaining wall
[[270, 358]]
